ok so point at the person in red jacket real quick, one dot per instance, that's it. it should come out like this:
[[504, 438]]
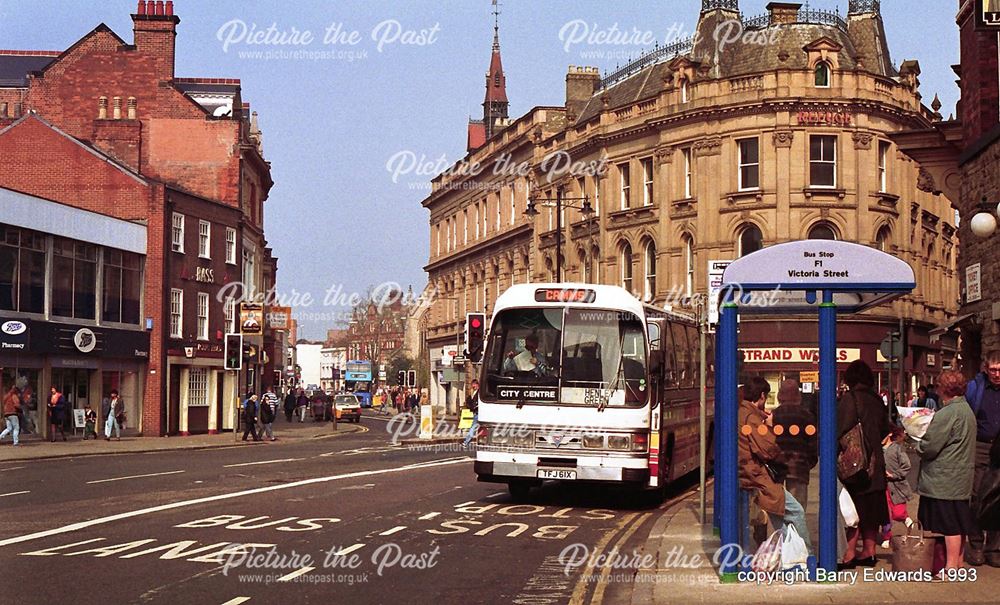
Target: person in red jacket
[[11, 408]]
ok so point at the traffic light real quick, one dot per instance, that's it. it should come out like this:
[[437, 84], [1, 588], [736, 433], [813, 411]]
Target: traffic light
[[475, 336], [233, 353], [411, 378], [401, 378]]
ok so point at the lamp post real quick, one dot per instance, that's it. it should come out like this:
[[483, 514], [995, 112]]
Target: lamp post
[[559, 202], [984, 222]]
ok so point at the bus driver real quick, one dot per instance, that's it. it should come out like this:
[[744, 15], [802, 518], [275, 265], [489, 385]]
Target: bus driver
[[528, 360]]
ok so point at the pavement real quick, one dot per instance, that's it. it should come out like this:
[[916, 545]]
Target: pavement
[[33, 447], [681, 568]]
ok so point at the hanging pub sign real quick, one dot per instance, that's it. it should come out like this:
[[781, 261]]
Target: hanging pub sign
[[251, 318], [988, 15]]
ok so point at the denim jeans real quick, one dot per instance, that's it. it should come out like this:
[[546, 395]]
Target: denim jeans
[[13, 426], [269, 430], [472, 430], [794, 516], [112, 422]]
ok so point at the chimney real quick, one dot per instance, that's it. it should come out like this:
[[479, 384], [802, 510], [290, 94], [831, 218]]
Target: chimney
[[155, 31], [783, 13], [117, 111], [102, 108], [131, 108], [581, 84]]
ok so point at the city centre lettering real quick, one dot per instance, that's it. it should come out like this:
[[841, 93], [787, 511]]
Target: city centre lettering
[[547, 394], [817, 259]]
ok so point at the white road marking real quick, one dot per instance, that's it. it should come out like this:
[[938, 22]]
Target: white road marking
[[389, 532], [135, 477], [295, 574], [15, 493], [237, 601], [13, 468], [263, 462], [428, 516], [50, 552], [250, 492], [465, 504], [348, 550], [496, 495]]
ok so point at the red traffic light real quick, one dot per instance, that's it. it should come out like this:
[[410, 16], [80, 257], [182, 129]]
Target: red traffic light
[[476, 323]]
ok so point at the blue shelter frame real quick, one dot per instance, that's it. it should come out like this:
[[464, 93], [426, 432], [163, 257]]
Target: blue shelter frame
[[812, 276]]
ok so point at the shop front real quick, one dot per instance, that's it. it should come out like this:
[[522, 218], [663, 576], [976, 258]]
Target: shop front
[[200, 392], [84, 362]]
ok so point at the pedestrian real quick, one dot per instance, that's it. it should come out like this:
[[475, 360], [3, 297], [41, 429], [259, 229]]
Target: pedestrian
[[250, 414], [472, 403], [947, 451], [933, 397], [302, 403], [116, 410], [761, 464], [983, 395], [268, 412], [11, 409], [289, 404], [798, 445], [861, 404], [897, 470], [922, 400], [57, 413], [90, 424]]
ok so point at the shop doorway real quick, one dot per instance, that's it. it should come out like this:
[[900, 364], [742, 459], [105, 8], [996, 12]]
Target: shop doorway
[[74, 384]]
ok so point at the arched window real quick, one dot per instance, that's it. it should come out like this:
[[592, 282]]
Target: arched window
[[751, 239], [649, 270], [822, 231], [882, 239], [688, 265], [585, 266], [822, 74], [626, 266]]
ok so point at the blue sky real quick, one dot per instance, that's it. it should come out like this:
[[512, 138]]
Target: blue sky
[[336, 215]]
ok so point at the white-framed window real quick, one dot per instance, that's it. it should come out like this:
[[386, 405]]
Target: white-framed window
[[498, 214], [177, 232], [197, 388], [883, 163], [202, 316], [749, 163], [647, 182], [649, 271], [475, 219], [626, 267], [204, 239], [597, 196], [465, 227], [822, 73], [230, 246], [823, 160], [437, 233], [626, 186], [229, 311], [176, 313], [513, 204], [688, 189]]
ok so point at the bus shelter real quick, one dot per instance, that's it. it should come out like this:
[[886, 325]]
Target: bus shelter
[[802, 277]]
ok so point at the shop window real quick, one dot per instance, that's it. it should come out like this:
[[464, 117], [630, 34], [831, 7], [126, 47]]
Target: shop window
[[197, 387], [122, 287], [74, 279], [22, 270]]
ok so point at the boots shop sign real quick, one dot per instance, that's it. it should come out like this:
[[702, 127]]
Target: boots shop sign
[[13, 336]]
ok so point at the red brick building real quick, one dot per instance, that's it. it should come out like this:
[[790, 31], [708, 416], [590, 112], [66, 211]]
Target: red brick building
[[107, 126]]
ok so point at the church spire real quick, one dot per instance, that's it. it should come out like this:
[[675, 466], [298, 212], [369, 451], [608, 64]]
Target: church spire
[[495, 105]]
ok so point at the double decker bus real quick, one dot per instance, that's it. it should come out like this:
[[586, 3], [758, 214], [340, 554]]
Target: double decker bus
[[358, 380], [582, 382]]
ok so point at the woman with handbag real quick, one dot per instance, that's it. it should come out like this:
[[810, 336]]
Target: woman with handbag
[[947, 453], [862, 423]]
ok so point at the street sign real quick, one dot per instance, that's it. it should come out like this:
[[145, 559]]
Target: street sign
[[892, 346], [805, 377], [715, 270]]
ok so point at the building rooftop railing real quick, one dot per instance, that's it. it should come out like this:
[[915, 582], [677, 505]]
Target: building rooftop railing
[[658, 54], [813, 16]]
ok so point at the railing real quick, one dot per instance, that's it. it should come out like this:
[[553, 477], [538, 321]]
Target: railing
[[858, 7], [806, 15], [654, 56], [708, 5]]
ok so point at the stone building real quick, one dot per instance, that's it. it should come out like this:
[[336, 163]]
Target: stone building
[[697, 152], [963, 157]]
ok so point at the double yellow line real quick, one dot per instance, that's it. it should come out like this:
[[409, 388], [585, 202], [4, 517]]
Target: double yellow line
[[625, 528]]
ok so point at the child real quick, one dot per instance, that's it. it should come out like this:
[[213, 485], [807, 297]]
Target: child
[[91, 419], [899, 491]]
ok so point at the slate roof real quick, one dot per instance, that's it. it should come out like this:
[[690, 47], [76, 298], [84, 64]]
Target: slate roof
[[16, 65]]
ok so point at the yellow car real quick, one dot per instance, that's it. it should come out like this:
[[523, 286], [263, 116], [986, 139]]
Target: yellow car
[[348, 408]]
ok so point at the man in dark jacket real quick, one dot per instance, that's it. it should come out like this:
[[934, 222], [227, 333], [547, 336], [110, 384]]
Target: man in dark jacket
[[289, 404], [983, 394], [798, 445], [250, 411]]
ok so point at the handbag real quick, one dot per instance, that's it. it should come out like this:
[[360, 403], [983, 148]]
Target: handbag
[[912, 553], [855, 458]]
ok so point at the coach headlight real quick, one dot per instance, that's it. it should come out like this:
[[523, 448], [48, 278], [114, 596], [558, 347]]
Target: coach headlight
[[618, 442], [500, 437], [593, 442], [524, 438]]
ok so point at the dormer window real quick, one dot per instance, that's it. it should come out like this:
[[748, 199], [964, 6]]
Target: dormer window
[[684, 91], [822, 75]]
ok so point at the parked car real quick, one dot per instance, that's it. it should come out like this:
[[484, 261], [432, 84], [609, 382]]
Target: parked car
[[348, 407]]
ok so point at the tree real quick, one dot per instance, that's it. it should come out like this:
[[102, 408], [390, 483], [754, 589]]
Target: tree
[[377, 328]]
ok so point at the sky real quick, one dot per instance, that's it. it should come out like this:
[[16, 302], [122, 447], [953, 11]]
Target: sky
[[356, 130]]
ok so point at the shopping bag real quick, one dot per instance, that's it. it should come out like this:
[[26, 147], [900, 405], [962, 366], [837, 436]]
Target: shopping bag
[[794, 553], [915, 420], [768, 555], [912, 553], [466, 421], [847, 509]]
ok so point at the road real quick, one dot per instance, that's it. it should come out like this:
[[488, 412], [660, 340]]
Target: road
[[380, 523]]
